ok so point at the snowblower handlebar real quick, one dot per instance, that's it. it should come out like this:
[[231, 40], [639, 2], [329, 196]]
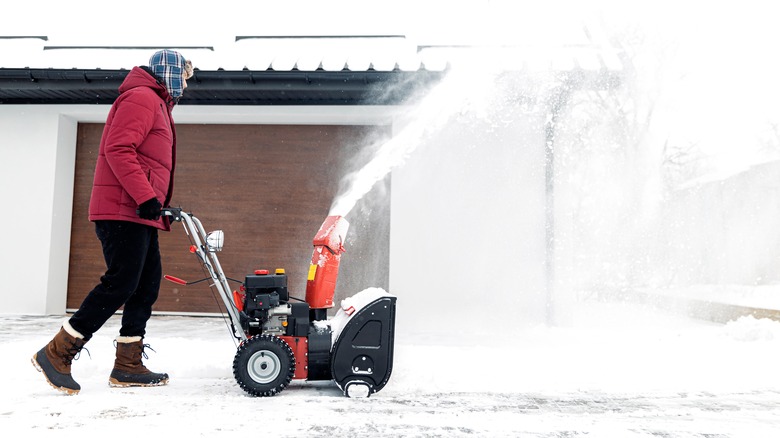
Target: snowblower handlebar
[[173, 212], [205, 246]]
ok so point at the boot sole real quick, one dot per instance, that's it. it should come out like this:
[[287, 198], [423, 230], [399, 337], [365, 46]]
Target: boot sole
[[114, 383], [38, 367]]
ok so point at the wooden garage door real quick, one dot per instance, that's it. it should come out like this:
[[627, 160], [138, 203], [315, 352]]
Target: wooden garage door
[[269, 187]]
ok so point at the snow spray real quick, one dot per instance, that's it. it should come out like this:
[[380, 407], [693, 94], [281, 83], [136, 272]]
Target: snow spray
[[444, 100]]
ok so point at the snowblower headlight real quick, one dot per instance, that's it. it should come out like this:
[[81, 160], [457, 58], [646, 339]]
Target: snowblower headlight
[[215, 240]]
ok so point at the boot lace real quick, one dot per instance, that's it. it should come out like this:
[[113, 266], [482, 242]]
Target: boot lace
[[74, 353], [143, 350]]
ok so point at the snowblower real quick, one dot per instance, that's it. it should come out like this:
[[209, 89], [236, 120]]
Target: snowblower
[[282, 339]]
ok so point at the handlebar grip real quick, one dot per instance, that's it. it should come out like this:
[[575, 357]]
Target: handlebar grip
[[173, 212]]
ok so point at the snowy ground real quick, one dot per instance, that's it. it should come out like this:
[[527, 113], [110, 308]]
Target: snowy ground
[[617, 373]]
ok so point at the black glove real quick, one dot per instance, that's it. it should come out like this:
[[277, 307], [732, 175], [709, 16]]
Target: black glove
[[150, 209]]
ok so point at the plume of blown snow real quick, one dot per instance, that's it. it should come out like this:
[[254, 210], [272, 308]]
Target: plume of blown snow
[[444, 100]]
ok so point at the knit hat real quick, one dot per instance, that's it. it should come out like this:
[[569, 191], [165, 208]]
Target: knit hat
[[170, 66]]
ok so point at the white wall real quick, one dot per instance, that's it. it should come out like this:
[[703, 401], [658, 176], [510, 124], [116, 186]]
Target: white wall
[[37, 151], [37, 146], [467, 226]]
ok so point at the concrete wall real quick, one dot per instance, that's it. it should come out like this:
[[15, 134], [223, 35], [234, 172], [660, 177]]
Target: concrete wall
[[37, 147], [467, 228], [37, 150]]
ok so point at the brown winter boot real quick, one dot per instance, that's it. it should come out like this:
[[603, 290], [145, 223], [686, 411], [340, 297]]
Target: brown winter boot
[[129, 370], [55, 358]]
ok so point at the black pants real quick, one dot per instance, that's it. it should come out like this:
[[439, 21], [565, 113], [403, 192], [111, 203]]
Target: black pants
[[132, 279]]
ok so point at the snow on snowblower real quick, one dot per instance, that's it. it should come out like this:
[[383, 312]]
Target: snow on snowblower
[[282, 340]]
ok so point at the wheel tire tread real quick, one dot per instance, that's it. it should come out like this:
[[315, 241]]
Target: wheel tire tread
[[241, 355]]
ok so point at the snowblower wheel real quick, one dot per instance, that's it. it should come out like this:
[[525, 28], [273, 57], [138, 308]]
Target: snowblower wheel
[[264, 365]]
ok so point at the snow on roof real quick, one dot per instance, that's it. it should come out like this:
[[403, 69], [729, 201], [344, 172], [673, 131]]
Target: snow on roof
[[308, 53], [332, 35]]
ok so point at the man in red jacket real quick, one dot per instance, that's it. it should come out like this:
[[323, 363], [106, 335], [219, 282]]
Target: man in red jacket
[[133, 182]]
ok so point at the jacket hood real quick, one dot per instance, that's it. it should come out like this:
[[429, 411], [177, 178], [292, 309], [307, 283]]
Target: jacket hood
[[143, 77]]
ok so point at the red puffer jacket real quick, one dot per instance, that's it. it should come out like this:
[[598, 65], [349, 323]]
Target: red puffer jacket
[[137, 153]]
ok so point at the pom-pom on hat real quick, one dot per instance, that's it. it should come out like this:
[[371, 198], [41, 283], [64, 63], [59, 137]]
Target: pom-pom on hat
[[170, 66]]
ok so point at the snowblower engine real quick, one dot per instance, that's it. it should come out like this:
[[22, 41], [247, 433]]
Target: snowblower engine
[[264, 307]]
